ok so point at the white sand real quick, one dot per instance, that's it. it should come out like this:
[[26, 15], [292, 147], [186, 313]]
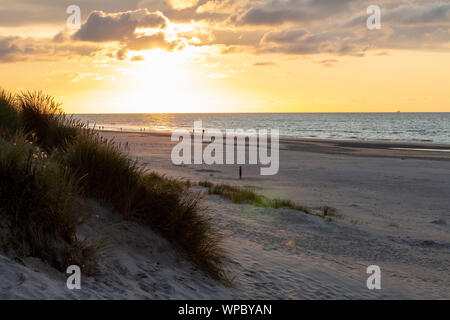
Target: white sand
[[395, 214]]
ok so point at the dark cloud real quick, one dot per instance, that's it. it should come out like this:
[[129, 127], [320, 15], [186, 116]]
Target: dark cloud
[[260, 16], [16, 48], [340, 43], [292, 11], [101, 26], [9, 51], [29, 12], [123, 28], [419, 15]]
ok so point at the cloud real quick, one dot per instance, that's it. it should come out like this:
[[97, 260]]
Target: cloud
[[183, 4], [259, 16], [294, 27], [32, 12], [9, 51], [328, 62], [264, 63], [220, 6], [272, 13], [123, 27], [156, 40], [13, 49], [419, 25], [137, 58], [284, 36], [419, 15], [61, 36], [187, 12], [74, 76], [101, 26]]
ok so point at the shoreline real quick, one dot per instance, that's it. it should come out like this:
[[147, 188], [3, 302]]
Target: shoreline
[[361, 148]]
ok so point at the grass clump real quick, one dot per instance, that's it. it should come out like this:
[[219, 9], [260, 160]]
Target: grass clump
[[247, 196], [39, 199], [10, 122], [170, 208], [106, 173], [44, 121], [235, 194]]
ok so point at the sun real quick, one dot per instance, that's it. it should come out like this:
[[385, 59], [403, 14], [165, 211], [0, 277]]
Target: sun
[[162, 83], [167, 82]]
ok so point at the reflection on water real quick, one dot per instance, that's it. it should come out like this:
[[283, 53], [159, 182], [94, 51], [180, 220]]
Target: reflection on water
[[429, 127]]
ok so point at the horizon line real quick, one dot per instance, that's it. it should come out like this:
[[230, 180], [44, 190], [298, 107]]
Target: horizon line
[[319, 112]]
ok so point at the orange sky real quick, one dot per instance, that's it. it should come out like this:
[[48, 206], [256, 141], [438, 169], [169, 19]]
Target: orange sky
[[213, 65]]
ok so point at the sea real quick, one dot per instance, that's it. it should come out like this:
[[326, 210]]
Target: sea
[[399, 126]]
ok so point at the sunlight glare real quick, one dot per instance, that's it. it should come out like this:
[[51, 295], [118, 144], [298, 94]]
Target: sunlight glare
[[166, 82]]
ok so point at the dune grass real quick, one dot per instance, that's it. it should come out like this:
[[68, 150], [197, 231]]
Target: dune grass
[[10, 122], [241, 195], [168, 206], [44, 121], [107, 174], [102, 171], [39, 198]]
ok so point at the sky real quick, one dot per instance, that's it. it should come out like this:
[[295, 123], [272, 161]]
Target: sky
[[186, 56]]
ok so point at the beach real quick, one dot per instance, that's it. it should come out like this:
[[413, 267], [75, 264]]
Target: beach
[[392, 205], [368, 181], [391, 210]]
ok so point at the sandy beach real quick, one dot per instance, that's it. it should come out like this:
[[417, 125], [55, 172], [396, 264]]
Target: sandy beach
[[392, 210], [393, 205], [379, 183]]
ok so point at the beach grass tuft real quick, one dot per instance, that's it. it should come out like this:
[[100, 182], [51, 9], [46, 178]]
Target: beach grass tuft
[[105, 172], [241, 195], [10, 122], [44, 121], [168, 206]]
